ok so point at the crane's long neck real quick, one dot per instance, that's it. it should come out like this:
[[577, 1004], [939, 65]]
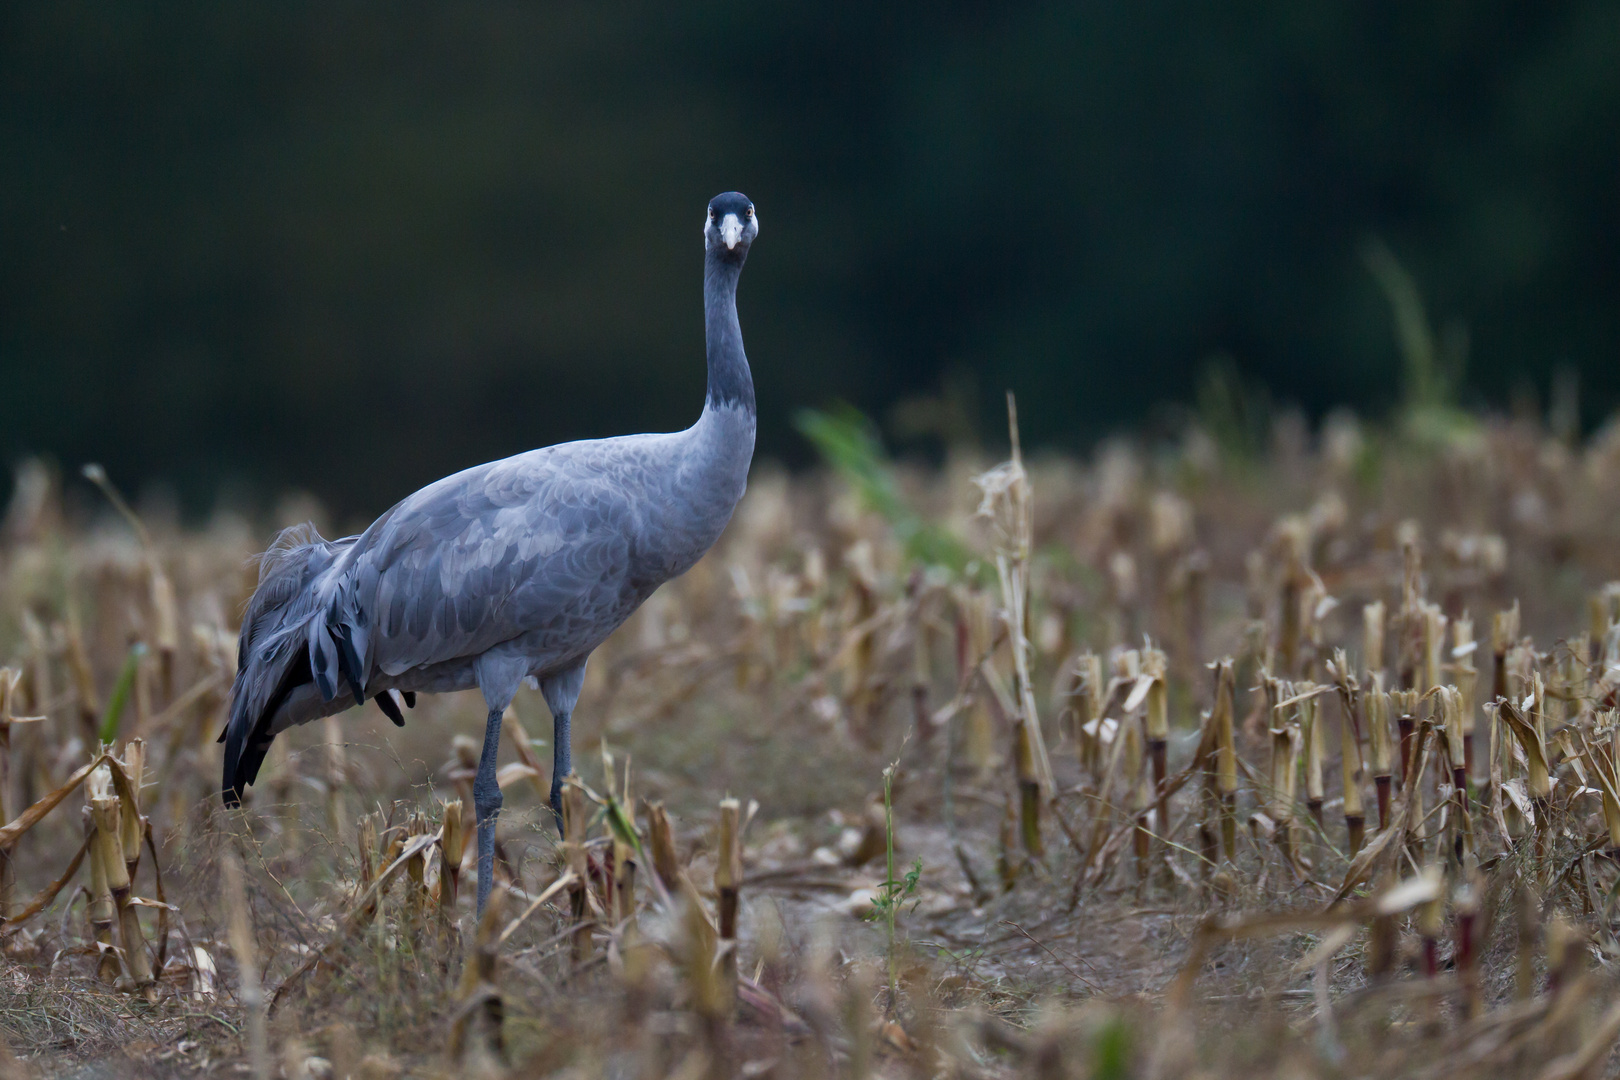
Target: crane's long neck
[[731, 384], [717, 450]]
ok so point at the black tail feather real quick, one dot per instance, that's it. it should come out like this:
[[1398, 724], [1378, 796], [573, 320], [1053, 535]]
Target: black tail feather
[[245, 756], [283, 644], [390, 708]]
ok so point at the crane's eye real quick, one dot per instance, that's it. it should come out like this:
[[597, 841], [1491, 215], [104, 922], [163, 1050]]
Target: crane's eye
[[712, 214], [750, 211]]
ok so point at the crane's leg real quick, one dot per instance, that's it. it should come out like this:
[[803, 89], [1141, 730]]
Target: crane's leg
[[561, 691], [487, 802], [561, 763]]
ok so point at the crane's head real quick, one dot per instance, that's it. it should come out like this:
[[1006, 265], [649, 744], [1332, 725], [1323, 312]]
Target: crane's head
[[731, 224]]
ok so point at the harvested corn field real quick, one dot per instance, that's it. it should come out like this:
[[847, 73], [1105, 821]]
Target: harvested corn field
[[1184, 760]]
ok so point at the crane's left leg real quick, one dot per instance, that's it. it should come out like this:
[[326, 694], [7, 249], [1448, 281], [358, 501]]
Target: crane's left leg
[[561, 691], [561, 764], [498, 675], [487, 802]]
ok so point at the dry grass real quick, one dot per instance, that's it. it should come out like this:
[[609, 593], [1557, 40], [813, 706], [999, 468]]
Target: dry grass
[[1120, 871]]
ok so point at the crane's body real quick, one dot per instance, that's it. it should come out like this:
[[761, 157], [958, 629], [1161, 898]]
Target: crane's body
[[512, 570]]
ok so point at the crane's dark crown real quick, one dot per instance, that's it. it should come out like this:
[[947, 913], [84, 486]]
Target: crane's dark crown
[[731, 224]]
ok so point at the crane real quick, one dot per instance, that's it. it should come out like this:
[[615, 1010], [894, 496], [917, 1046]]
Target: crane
[[509, 571]]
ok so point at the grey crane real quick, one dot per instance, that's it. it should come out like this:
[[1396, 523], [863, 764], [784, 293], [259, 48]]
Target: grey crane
[[508, 571]]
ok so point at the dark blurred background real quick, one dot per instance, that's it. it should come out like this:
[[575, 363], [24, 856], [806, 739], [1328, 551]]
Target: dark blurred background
[[350, 248]]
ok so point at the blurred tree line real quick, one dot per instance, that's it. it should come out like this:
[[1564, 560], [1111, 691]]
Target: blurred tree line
[[353, 247]]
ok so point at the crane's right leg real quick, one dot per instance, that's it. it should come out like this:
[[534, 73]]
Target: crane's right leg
[[487, 802]]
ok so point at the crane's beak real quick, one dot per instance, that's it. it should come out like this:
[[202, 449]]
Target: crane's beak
[[731, 229]]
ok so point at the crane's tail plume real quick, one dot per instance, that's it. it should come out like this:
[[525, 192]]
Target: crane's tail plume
[[281, 629]]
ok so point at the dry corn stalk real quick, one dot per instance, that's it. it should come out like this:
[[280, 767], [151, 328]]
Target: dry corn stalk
[[1008, 504], [366, 842], [1141, 796], [662, 841], [1285, 747], [1310, 721], [476, 1046], [1466, 678], [1465, 901], [695, 954], [624, 848], [1407, 706], [452, 848], [1029, 793], [131, 823], [1433, 625], [1532, 739], [109, 852], [1254, 663], [415, 875], [1089, 703], [576, 860], [1209, 800], [1601, 753], [165, 624], [101, 910], [1377, 709], [1156, 728], [1561, 683], [859, 651], [1373, 620], [625, 859], [976, 645], [1539, 773], [1226, 765], [249, 988], [1504, 634], [8, 882], [1293, 541], [1350, 706], [1451, 715], [1434, 643], [727, 884], [1404, 705], [1010, 859], [1409, 620]]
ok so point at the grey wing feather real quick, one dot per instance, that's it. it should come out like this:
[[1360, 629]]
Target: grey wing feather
[[541, 545]]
